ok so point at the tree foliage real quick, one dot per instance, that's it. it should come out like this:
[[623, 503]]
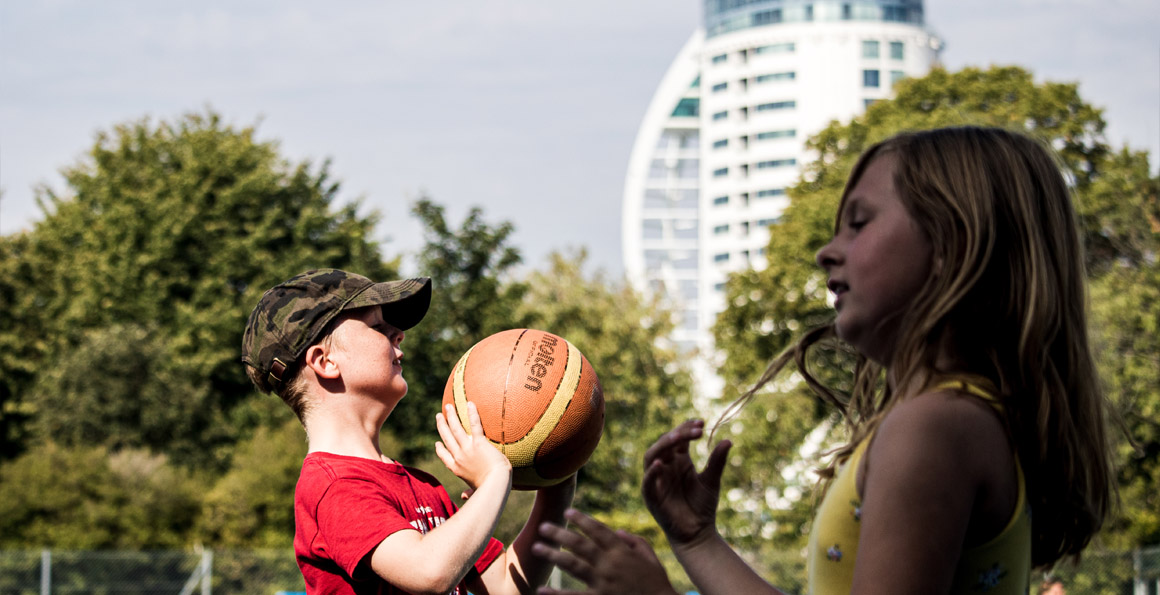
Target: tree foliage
[[164, 240], [768, 309], [647, 389], [89, 498], [473, 296]]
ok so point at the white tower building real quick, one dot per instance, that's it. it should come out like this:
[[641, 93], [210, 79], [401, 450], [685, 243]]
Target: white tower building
[[724, 137]]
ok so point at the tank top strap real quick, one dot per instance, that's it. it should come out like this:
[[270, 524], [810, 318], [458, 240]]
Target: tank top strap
[[974, 385]]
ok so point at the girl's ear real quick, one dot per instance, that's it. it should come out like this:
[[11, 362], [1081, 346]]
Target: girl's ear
[[318, 359]]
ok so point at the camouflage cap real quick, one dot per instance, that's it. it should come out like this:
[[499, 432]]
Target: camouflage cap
[[292, 315]]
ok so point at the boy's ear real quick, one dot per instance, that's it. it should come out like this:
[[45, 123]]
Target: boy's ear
[[317, 358]]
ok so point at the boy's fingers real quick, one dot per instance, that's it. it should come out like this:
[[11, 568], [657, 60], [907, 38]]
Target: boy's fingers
[[445, 432], [474, 420], [441, 452], [454, 424]]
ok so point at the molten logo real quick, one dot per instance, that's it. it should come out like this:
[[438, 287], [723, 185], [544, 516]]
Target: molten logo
[[543, 360]]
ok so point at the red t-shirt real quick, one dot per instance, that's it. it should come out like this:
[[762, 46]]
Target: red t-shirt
[[345, 506]]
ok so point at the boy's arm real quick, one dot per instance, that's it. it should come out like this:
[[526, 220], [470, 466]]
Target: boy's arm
[[517, 570], [437, 561]]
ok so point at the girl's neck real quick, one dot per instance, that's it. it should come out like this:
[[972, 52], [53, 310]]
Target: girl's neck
[[946, 362]]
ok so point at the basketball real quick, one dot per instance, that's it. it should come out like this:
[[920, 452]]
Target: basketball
[[538, 398]]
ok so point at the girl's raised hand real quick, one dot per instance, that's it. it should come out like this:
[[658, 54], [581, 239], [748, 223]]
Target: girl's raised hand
[[470, 457], [683, 501], [609, 562]]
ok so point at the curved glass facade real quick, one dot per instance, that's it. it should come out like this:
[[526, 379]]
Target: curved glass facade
[[723, 16]]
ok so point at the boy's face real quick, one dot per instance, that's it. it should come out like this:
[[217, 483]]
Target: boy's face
[[367, 350]]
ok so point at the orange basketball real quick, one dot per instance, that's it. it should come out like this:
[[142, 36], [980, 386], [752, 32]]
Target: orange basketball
[[539, 399]]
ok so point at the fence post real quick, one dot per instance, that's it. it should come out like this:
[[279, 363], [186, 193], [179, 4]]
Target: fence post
[[1139, 587], [45, 572], [206, 571]]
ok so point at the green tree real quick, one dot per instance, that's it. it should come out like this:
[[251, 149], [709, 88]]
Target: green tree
[[473, 296], [252, 505], [87, 498], [166, 235], [769, 309], [647, 389]]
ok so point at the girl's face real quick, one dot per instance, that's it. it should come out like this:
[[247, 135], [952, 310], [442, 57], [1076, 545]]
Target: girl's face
[[877, 262]]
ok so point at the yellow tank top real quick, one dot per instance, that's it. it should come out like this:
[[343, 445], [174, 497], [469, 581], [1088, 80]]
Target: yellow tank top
[[1000, 566]]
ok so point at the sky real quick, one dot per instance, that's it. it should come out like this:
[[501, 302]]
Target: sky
[[526, 109]]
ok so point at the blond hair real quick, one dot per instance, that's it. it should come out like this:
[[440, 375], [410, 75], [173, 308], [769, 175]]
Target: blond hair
[[1010, 298], [296, 392]]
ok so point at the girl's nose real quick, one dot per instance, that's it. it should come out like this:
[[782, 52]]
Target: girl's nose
[[828, 256]]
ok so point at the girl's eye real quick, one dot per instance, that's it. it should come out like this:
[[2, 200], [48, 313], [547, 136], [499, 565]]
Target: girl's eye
[[856, 225]]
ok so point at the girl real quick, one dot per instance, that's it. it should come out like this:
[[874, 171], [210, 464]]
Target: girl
[[978, 448]]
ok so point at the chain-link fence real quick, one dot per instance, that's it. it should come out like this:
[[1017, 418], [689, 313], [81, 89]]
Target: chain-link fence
[[54, 572], [269, 572]]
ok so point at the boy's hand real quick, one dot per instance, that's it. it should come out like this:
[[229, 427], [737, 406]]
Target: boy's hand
[[470, 457]]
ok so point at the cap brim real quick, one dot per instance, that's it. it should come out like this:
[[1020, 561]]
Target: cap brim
[[404, 302]]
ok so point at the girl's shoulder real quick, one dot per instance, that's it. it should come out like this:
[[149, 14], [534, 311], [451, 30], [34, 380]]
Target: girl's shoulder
[[947, 422]]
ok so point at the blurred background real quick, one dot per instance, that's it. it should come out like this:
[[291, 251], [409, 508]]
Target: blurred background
[[162, 164]]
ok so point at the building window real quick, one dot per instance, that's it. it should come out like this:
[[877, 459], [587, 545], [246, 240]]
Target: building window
[[776, 48], [720, 201], [776, 76], [870, 78], [722, 172], [866, 103], [771, 192], [681, 168], [721, 257], [776, 163], [687, 288], [685, 260], [685, 229], [688, 107], [766, 17], [896, 50], [670, 198], [869, 49], [721, 144], [895, 76], [684, 139], [777, 105], [772, 134], [652, 229], [725, 114], [720, 87], [721, 229], [719, 58], [768, 222], [896, 14]]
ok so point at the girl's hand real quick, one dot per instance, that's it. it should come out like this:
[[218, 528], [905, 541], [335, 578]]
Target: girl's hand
[[683, 501], [609, 562], [470, 457]]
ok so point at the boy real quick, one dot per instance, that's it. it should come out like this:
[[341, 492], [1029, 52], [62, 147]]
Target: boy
[[327, 342]]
